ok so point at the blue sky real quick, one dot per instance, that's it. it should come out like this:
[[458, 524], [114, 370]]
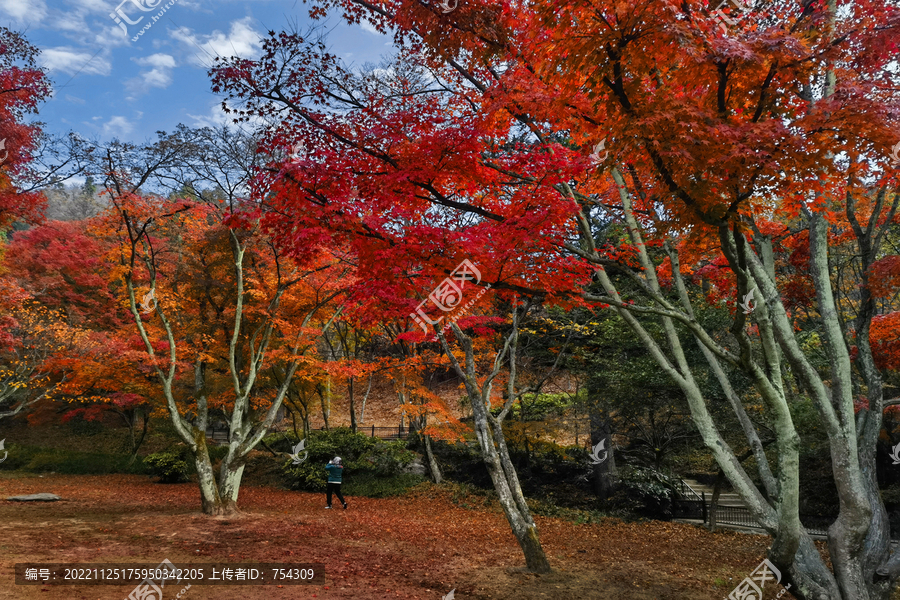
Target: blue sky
[[106, 85]]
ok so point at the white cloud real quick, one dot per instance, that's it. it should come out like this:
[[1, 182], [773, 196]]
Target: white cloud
[[384, 74], [157, 61], [111, 35], [117, 127], [97, 6], [74, 99], [78, 20], [242, 40], [24, 11], [67, 60], [366, 26], [215, 118], [159, 76]]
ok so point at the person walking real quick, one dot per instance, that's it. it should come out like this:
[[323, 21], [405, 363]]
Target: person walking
[[335, 471]]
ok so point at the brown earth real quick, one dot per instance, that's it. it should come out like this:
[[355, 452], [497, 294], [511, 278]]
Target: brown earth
[[383, 409]]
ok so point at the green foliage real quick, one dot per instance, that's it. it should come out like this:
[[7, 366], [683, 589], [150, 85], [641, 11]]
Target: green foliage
[[373, 486], [814, 348], [466, 495], [537, 407], [365, 459], [694, 461], [648, 482], [87, 428], [216, 453], [621, 387], [169, 466], [579, 517], [891, 495], [550, 461], [818, 491], [543, 469], [646, 491], [461, 463], [806, 420], [44, 460], [176, 465]]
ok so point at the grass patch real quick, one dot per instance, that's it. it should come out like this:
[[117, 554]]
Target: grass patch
[[372, 486], [472, 497], [466, 495], [574, 515]]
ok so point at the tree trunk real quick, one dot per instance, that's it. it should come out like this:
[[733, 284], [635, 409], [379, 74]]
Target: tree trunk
[[432, 462], [230, 476], [511, 499], [294, 424], [489, 432], [605, 476], [210, 499], [136, 445], [362, 412], [325, 397], [352, 407]]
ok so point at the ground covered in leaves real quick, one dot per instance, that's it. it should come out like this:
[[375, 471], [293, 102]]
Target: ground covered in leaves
[[417, 546]]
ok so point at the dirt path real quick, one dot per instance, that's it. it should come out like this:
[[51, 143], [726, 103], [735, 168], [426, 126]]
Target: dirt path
[[417, 547]]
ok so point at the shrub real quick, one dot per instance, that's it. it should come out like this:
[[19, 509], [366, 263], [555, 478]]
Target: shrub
[[549, 458], [389, 458], [364, 458], [169, 466], [539, 407], [42, 460], [216, 453], [462, 463], [646, 491]]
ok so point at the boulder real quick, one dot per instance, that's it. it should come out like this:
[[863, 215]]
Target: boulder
[[416, 467], [42, 497]]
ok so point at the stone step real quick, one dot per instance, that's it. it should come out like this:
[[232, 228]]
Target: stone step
[[725, 498]]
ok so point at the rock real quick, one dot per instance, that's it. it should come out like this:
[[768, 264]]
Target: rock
[[42, 497], [416, 467]]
